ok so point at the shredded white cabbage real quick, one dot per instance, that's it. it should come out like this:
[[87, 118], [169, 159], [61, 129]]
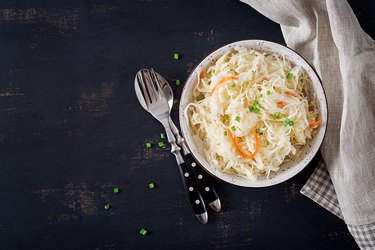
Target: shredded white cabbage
[[244, 90]]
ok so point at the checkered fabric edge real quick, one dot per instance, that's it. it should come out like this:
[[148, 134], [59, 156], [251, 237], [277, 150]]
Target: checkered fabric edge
[[364, 235], [320, 189]]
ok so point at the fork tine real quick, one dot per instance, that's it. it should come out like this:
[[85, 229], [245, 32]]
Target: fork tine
[[157, 83], [151, 87], [141, 83]]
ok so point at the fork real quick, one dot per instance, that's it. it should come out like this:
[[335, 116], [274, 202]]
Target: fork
[[150, 93]]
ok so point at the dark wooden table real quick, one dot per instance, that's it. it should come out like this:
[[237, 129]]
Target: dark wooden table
[[71, 129]]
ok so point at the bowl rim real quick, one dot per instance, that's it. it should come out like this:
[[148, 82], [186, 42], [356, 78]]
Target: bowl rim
[[268, 184]]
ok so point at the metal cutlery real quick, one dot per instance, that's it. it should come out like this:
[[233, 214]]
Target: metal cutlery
[[151, 97], [208, 192]]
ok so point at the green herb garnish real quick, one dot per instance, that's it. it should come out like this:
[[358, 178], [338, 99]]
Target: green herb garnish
[[107, 206], [151, 185], [256, 110], [162, 136], [237, 118], [143, 231], [226, 117], [161, 144], [288, 122], [233, 85], [289, 75], [251, 108], [178, 83], [176, 56], [116, 190], [225, 133], [148, 145], [233, 128], [268, 92], [277, 116]]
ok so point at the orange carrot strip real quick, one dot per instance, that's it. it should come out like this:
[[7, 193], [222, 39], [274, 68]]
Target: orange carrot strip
[[280, 104], [223, 80], [290, 93], [201, 75], [315, 124], [245, 103], [237, 148]]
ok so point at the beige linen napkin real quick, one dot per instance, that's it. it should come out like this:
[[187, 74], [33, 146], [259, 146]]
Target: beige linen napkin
[[327, 34]]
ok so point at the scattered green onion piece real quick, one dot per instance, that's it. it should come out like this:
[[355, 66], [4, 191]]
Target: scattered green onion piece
[[162, 136], [233, 128], [116, 190], [198, 98], [260, 95], [289, 75], [286, 122], [178, 83], [151, 185], [107, 206], [233, 85], [291, 123], [176, 56], [148, 145], [226, 117], [251, 108], [225, 133], [268, 92], [237, 118], [258, 130], [256, 110], [143, 231], [174, 101], [161, 144], [254, 102]]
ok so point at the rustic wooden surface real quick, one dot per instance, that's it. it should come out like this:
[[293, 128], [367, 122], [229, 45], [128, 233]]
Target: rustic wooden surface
[[71, 129]]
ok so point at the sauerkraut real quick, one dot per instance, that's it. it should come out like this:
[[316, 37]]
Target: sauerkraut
[[252, 111]]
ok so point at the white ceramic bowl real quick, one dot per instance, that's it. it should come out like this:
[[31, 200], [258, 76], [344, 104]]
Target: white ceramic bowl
[[287, 169]]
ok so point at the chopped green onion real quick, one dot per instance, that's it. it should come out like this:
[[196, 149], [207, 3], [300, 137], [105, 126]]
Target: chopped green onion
[[291, 123], [116, 190], [268, 92], [107, 206], [259, 132], [148, 145], [226, 117], [251, 108], [260, 95], [233, 85], [254, 102], [225, 133], [174, 101], [286, 122], [289, 75], [151, 185], [176, 56], [256, 110], [233, 128], [162, 136], [237, 118], [277, 116], [161, 144], [178, 83], [198, 98], [143, 231]]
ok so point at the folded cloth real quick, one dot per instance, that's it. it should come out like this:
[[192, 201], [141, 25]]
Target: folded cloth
[[327, 34]]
